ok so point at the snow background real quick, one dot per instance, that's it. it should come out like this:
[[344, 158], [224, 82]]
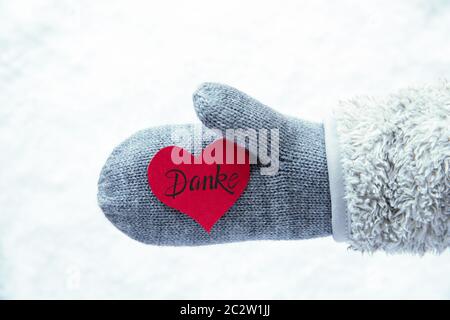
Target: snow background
[[78, 77]]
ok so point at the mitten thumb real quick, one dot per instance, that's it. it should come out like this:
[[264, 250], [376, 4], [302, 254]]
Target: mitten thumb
[[222, 107]]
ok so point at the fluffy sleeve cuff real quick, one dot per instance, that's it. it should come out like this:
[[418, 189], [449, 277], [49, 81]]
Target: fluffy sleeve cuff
[[389, 171]]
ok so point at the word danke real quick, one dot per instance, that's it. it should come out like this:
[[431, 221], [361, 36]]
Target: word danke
[[179, 182]]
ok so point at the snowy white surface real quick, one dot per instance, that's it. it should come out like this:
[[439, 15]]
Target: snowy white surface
[[78, 77]]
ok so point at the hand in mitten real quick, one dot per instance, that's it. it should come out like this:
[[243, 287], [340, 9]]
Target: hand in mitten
[[376, 175], [294, 203]]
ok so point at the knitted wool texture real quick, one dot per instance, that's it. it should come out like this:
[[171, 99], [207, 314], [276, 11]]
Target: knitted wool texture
[[293, 204]]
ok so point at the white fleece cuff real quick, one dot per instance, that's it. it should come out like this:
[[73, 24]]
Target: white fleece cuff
[[389, 170]]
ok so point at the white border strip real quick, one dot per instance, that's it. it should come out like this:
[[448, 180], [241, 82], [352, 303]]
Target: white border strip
[[340, 221]]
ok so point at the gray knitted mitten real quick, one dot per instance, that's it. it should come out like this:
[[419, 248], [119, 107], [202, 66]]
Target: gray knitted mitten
[[292, 204]]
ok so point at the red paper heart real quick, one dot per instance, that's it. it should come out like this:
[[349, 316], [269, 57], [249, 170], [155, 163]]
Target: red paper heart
[[203, 190]]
